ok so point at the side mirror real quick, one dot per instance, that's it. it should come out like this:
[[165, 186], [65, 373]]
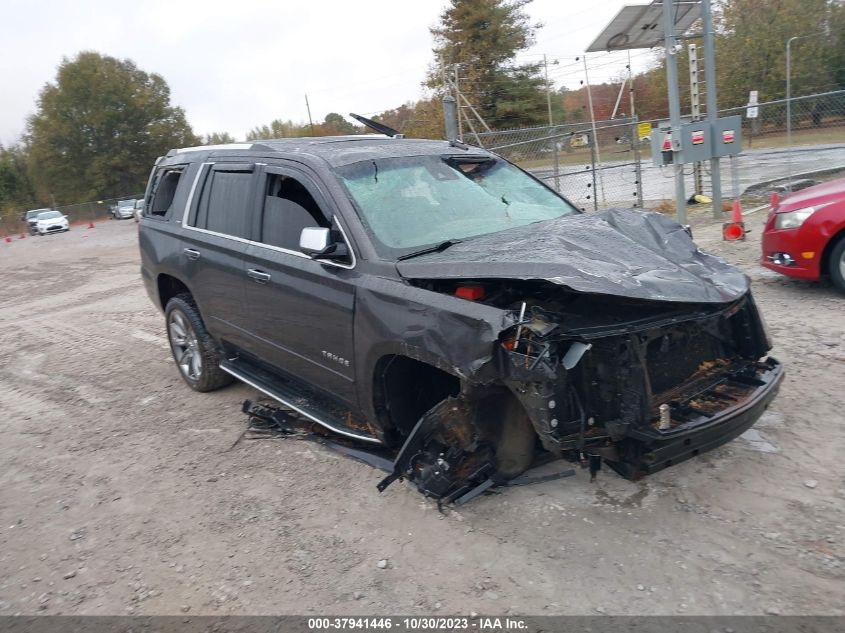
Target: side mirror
[[314, 240], [318, 243]]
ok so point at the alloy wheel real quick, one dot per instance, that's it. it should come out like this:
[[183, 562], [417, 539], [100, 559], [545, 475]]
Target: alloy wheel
[[185, 346]]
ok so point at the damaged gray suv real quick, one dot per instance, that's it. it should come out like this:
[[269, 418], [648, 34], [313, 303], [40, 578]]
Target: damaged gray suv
[[432, 304]]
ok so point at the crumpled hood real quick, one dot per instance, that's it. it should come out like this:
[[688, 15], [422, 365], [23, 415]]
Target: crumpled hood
[[622, 252]]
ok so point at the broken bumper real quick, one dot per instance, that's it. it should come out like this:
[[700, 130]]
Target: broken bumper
[[659, 449]]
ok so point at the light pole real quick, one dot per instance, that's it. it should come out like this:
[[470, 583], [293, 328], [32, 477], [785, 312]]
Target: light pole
[[789, 109], [789, 100]]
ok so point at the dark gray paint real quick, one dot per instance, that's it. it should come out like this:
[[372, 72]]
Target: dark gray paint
[[621, 252], [372, 311]]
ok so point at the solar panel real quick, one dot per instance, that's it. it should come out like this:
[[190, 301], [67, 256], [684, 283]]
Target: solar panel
[[641, 26]]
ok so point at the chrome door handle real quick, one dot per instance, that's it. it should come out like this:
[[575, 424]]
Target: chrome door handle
[[259, 276], [190, 253]]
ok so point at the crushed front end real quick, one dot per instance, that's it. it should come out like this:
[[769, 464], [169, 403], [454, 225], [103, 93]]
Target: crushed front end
[[639, 385]]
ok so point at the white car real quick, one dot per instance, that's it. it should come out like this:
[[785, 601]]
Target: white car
[[51, 222]]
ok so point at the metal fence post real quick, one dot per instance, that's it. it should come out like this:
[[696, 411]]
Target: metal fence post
[[674, 107], [556, 159], [593, 170], [712, 111], [638, 170], [450, 116]]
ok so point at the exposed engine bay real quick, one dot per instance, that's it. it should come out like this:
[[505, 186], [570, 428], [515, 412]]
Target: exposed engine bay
[[639, 385]]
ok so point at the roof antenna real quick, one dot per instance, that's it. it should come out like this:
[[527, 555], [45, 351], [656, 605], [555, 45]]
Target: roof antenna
[[381, 128]]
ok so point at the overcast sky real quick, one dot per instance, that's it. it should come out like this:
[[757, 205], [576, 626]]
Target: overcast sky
[[236, 65]]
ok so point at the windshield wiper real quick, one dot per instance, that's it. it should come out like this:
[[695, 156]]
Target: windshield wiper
[[431, 249]]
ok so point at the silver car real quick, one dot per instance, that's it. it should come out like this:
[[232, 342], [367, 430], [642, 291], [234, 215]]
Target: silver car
[[124, 209]]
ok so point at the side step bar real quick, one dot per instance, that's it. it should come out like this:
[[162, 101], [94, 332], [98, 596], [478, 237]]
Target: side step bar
[[285, 393]]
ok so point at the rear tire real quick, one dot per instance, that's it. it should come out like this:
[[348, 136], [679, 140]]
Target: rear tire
[[195, 352], [836, 264]]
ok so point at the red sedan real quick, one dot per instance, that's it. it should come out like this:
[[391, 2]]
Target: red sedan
[[805, 234]]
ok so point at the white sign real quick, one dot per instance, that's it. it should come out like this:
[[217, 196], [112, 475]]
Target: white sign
[[753, 111]]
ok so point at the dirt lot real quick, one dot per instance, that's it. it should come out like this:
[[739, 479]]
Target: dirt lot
[[119, 492]]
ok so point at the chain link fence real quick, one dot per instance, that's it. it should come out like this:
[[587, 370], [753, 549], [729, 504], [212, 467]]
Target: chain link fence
[[594, 166], [609, 163], [14, 226], [816, 119]]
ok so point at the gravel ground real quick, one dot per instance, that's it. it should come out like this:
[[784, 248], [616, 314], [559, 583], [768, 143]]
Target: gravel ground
[[120, 492]]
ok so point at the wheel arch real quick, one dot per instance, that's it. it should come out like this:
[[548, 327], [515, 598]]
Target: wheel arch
[[824, 262], [168, 287], [404, 388]]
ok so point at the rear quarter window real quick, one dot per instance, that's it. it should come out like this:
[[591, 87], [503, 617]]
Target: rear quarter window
[[164, 190]]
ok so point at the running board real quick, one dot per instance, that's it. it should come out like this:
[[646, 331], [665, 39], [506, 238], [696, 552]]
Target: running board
[[293, 398]]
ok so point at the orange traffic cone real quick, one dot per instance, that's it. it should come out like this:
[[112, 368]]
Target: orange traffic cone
[[21, 236], [8, 239], [90, 225], [775, 199], [735, 230]]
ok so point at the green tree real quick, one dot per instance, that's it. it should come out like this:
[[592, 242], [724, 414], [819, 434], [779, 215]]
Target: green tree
[[218, 138], [483, 38], [837, 43], [279, 129], [16, 189], [335, 124], [751, 48], [100, 127]]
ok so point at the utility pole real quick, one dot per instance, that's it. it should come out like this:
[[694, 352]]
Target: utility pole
[[552, 124], [310, 122], [695, 100], [669, 44]]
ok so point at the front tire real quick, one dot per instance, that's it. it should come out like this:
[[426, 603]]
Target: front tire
[[195, 352], [836, 264]]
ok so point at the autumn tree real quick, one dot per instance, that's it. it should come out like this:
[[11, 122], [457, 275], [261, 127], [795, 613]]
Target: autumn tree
[[100, 127], [218, 138], [482, 38]]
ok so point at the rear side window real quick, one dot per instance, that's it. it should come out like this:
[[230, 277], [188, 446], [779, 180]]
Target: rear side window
[[288, 208], [164, 192], [224, 204]]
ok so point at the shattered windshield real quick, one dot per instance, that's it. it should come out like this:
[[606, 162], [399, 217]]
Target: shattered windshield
[[413, 202]]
